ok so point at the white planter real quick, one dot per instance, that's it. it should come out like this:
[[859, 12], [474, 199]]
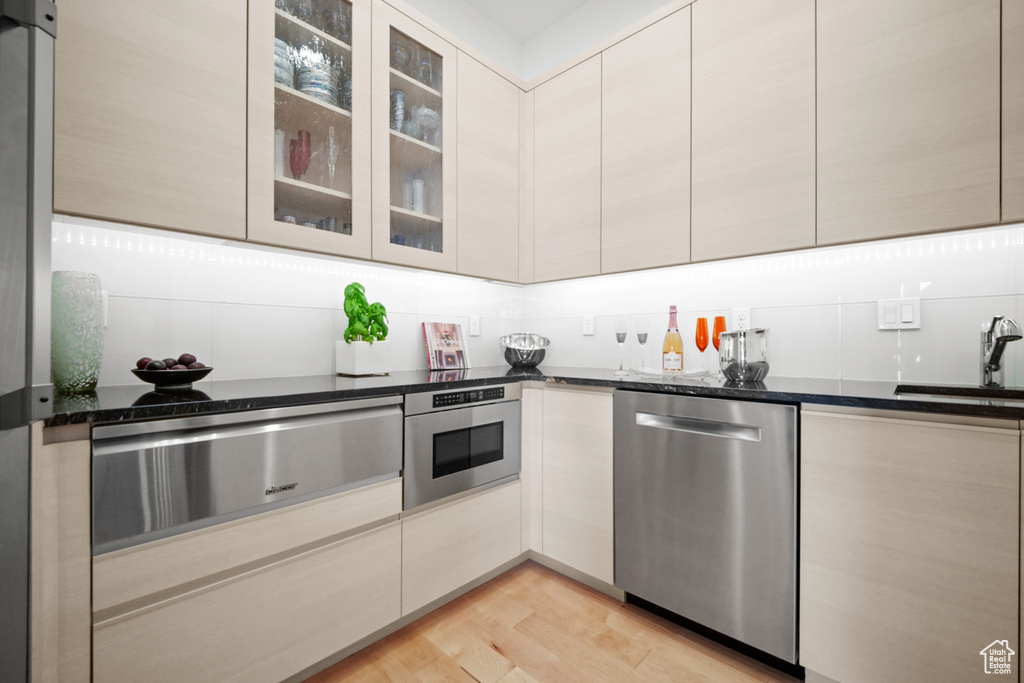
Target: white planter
[[362, 358]]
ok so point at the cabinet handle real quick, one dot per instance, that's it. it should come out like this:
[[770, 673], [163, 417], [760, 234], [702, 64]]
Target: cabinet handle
[[694, 425]]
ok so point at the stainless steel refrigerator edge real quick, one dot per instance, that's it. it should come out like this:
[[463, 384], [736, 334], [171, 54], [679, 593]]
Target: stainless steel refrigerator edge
[[706, 513], [27, 31]]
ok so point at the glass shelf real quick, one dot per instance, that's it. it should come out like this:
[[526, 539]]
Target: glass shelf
[[312, 114], [416, 158]]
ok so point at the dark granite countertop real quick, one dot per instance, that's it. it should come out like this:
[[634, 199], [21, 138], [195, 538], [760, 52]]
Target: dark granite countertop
[[140, 402]]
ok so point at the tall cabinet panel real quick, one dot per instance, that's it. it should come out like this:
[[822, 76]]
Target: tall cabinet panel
[[526, 187], [309, 125], [414, 132], [149, 114], [645, 148], [567, 174], [753, 127], [1013, 110], [488, 208], [909, 533], [576, 499], [908, 116]]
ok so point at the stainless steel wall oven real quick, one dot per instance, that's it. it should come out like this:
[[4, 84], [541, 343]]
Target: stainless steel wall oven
[[458, 440]]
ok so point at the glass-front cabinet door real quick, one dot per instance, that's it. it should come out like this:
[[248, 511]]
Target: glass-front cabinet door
[[413, 143], [309, 125]]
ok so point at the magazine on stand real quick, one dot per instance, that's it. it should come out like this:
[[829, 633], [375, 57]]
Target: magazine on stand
[[446, 347]]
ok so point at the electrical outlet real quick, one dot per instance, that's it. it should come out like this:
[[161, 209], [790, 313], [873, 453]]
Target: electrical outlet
[[588, 326], [474, 326], [740, 319]]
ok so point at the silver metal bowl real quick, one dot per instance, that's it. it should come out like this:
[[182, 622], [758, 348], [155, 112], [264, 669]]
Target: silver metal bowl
[[743, 354], [524, 349]]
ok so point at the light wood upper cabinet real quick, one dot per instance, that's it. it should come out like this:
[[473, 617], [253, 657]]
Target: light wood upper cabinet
[[753, 127], [526, 165], [645, 148], [414, 151], [488, 216], [909, 546], [149, 114], [333, 192], [1013, 110], [908, 116], [577, 480], [567, 174]]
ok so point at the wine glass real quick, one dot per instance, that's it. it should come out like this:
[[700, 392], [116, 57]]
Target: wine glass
[[702, 338], [621, 327], [640, 323], [719, 329]]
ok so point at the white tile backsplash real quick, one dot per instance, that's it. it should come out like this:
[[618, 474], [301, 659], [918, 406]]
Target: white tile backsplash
[[158, 328], [867, 352], [271, 341], [239, 304]]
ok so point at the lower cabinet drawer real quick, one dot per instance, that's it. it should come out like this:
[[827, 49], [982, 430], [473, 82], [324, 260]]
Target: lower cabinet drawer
[[445, 548], [263, 625]]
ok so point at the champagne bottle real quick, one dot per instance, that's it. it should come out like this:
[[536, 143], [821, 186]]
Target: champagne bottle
[[672, 349]]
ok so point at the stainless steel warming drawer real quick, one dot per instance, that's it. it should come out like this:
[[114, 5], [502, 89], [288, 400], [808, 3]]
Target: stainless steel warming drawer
[[156, 479]]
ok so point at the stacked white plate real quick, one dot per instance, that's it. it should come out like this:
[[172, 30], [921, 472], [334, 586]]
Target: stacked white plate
[[284, 71], [319, 81]]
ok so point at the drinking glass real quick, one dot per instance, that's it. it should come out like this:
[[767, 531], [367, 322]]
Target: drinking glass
[[702, 338], [640, 323], [621, 327], [719, 329]]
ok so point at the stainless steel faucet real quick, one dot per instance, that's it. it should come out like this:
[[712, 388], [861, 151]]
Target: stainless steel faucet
[[993, 343]]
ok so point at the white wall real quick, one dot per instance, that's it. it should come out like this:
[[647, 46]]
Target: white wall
[[253, 311], [476, 29], [578, 31], [820, 305], [590, 24]]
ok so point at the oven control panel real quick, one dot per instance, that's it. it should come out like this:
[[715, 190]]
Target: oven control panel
[[459, 398]]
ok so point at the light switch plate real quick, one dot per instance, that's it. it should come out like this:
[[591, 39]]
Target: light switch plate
[[899, 314], [474, 326], [588, 325]]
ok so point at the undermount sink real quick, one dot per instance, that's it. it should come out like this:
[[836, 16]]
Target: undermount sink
[[962, 391]]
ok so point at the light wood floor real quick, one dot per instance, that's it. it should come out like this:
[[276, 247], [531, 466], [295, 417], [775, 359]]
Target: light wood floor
[[533, 624]]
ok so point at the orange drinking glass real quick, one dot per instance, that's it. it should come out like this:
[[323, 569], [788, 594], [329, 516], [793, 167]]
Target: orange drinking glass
[[719, 329], [702, 334]]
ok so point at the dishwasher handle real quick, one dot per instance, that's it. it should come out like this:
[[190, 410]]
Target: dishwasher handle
[[696, 425]]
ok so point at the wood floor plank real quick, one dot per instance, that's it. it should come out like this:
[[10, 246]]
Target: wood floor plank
[[443, 670], [412, 651], [469, 650], [533, 625], [483, 663], [586, 619], [592, 663], [517, 675]]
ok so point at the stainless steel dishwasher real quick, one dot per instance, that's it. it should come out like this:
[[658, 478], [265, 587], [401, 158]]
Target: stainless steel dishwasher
[[706, 513], [155, 479]]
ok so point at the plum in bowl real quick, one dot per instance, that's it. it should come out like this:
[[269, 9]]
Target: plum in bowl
[[171, 373], [172, 379]]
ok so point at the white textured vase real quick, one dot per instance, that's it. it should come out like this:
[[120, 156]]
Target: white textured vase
[[76, 331]]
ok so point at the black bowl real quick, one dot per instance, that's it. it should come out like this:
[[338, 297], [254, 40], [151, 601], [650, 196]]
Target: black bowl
[[172, 379]]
